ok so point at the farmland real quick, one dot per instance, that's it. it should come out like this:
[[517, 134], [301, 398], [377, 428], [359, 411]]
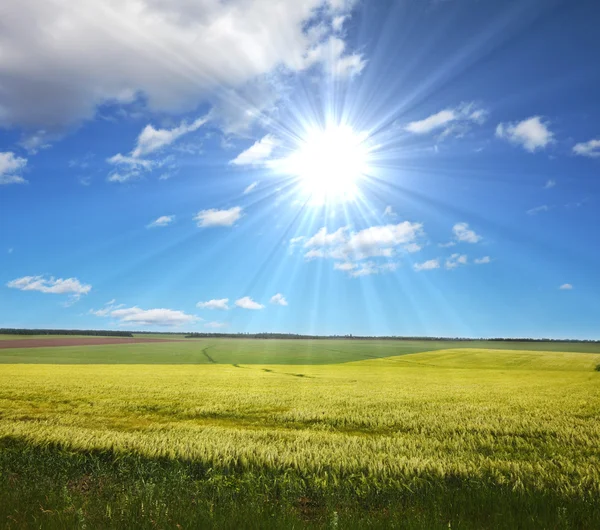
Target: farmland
[[231, 433]]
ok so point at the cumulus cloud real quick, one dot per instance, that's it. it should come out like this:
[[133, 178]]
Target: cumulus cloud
[[221, 303], [163, 220], [278, 299], [10, 167], [214, 217], [347, 247], [590, 148], [566, 287], [174, 55], [463, 233], [532, 133], [450, 122], [322, 238], [427, 265], [482, 261], [250, 187], [455, 261], [247, 303], [152, 317], [50, 285], [257, 153]]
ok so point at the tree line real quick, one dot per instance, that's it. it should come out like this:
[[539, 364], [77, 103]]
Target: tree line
[[90, 332], [367, 337]]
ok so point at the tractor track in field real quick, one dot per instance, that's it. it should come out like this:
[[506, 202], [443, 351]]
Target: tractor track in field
[[205, 353]]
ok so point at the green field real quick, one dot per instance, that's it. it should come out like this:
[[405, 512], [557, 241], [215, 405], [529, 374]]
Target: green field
[[393, 436], [261, 351]]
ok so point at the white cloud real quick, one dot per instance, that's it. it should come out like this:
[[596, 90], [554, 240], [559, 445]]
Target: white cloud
[[152, 317], [124, 176], [590, 148], [10, 166], [163, 220], [215, 325], [427, 265], [50, 285], [482, 261], [278, 299], [151, 139], [566, 287], [532, 133], [250, 187], [331, 53], [389, 212], [463, 233], [538, 209], [338, 22], [452, 122], [368, 268], [123, 160], [172, 55], [345, 246], [10, 250], [106, 309], [346, 266], [221, 303], [447, 245], [456, 260], [323, 239], [550, 183], [257, 153], [247, 303], [214, 217]]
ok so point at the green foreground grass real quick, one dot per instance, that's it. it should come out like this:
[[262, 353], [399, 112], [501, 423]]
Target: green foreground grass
[[460, 437], [257, 351]]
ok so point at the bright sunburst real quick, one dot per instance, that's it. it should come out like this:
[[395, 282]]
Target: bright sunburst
[[329, 162]]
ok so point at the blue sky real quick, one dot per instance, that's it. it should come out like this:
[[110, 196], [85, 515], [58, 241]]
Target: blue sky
[[328, 166]]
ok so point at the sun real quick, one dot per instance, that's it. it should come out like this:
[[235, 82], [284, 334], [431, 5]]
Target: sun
[[329, 162]]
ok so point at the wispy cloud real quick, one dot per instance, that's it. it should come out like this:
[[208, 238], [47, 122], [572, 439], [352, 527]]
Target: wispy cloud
[[532, 133], [538, 209], [250, 187], [163, 220], [451, 122], [590, 149], [482, 261], [50, 285], [550, 183], [566, 287], [257, 153], [214, 217], [216, 325]]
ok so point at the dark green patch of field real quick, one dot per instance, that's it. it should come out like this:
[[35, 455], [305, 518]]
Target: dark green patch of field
[[257, 351]]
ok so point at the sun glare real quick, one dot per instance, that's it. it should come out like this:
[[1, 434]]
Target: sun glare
[[330, 162]]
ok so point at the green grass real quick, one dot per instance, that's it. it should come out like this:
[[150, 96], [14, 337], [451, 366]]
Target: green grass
[[470, 438], [256, 351]]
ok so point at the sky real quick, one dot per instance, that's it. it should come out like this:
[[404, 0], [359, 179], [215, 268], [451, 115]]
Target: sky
[[405, 167]]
